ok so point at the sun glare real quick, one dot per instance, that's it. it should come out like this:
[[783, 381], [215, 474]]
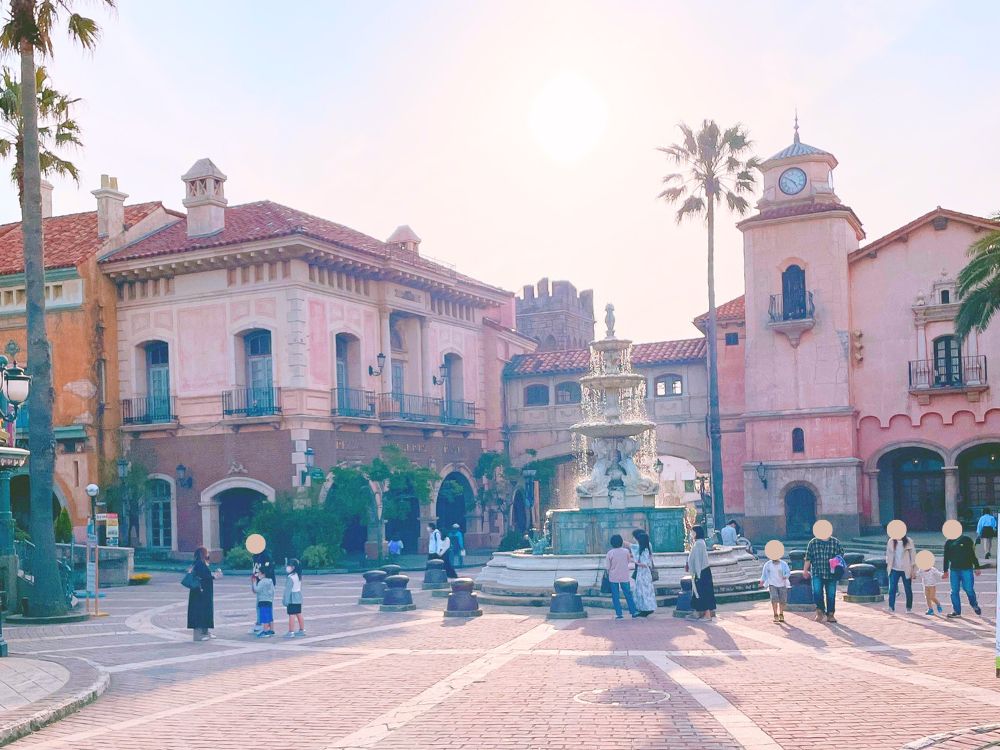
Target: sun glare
[[568, 118]]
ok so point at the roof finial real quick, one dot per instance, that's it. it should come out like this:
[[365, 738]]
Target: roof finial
[[796, 125]]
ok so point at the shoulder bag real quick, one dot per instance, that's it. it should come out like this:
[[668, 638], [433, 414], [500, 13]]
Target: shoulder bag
[[191, 581]]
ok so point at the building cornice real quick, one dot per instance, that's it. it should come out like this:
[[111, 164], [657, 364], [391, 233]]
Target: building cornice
[[818, 411]]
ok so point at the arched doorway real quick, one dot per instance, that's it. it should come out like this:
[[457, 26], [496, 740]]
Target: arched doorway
[[800, 512], [979, 481], [20, 502], [236, 506], [519, 518], [454, 496], [911, 488], [406, 529]]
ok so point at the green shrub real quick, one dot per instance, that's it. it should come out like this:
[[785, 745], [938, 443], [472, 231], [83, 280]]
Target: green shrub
[[511, 541], [63, 527], [238, 559], [316, 556], [291, 530]]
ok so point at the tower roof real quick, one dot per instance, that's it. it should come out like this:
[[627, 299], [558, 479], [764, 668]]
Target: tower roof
[[403, 234], [203, 168], [798, 148]]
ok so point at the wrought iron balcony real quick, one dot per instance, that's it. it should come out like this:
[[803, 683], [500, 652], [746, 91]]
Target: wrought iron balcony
[[458, 412], [797, 307], [407, 407], [961, 373], [251, 402], [352, 402], [148, 410]]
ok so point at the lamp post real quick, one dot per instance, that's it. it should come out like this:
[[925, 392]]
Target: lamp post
[[123, 467], [93, 565], [380, 365], [310, 456], [14, 389]]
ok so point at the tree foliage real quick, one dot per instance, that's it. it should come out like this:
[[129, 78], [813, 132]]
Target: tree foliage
[[63, 527], [979, 284]]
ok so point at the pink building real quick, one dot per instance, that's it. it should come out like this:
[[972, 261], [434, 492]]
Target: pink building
[[255, 339]]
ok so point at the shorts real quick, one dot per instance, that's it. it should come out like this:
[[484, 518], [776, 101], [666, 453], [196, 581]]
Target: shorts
[[294, 609], [989, 533], [265, 613], [778, 594]]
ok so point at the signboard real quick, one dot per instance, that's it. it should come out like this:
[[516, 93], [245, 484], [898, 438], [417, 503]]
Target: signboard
[[91, 577], [111, 529]]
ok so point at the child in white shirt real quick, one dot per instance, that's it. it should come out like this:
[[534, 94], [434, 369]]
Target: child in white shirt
[[930, 578], [775, 578]]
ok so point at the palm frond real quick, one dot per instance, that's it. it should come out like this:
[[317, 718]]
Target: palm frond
[[693, 205], [670, 195], [984, 263], [978, 309]]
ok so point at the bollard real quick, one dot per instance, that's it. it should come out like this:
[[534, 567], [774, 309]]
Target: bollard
[[374, 588], [683, 607], [800, 595], [863, 587], [566, 604], [462, 601], [852, 559], [881, 571], [397, 598], [434, 576], [796, 558], [392, 569]]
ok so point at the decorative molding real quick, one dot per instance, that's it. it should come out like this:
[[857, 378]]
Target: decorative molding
[[793, 329]]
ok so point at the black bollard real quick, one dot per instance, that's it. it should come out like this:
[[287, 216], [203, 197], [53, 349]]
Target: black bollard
[[881, 571], [397, 598], [462, 601], [434, 576], [852, 559], [566, 604], [796, 558], [863, 587], [800, 595], [374, 588], [392, 569], [684, 607]]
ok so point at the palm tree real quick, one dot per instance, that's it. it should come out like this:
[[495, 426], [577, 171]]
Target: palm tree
[[979, 284], [717, 164], [60, 129], [30, 27]]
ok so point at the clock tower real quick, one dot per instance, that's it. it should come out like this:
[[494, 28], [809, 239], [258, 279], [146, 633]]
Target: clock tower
[[799, 422]]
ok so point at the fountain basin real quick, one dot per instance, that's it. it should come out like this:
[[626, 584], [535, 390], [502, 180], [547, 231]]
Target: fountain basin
[[589, 530], [617, 381], [612, 429]]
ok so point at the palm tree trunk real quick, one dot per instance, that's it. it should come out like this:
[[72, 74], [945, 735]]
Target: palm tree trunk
[[714, 422], [46, 595]]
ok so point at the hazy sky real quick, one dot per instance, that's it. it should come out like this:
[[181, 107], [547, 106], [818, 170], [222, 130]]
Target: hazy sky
[[518, 138]]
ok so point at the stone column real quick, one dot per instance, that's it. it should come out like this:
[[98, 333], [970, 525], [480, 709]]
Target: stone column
[[210, 526], [950, 492], [873, 496], [385, 344], [297, 348], [426, 368]]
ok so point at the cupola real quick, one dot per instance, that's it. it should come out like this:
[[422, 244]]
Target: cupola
[[405, 239], [205, 199], [798, 174]]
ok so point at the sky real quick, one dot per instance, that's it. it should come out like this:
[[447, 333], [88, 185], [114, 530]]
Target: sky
[[518, 139]]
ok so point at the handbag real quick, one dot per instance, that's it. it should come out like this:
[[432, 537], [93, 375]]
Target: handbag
[[653, 570], [191, 581], [605, 583]]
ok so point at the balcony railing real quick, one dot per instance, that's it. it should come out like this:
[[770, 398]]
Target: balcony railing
[[410, 408], [458, 412], [352, 402], [148, 410], [962, 372], [251, 402], [799, 307]]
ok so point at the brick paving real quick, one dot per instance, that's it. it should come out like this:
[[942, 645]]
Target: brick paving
[[510, 679]]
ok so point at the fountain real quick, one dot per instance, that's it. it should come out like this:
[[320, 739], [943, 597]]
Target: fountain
[[616, 494]]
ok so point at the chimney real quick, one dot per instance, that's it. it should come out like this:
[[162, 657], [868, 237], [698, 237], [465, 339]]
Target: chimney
[[404, 238], [110, 208], [205, 199], [46, 199]]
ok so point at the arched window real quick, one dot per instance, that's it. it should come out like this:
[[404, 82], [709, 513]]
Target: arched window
[[159, 531], [668, 385], [947, 361], [798, 440], [158, 381], [536, 395], [568, 393], [793, 293]]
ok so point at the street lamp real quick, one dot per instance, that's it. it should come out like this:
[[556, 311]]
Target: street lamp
[[123, 467], [93, 573], [380, 361], [184, 479], [14, 389], [529, 495], [310, 455], [762, 474]]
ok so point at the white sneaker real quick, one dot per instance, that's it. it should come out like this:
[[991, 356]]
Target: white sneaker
[[289, 634]]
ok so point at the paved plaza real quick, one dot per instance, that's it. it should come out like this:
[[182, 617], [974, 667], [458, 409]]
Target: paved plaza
[[511, 679]]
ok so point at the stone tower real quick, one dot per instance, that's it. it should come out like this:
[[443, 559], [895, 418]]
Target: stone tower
[[558, 318]]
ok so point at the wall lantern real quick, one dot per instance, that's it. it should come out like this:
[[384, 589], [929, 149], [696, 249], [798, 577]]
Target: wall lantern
[[442, 375], [122, 468], [762, 474], [310, 455], [183, 478], [16, 386], [380, 361]]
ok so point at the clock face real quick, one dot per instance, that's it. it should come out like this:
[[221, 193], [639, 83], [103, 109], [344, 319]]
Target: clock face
[[792, 181]]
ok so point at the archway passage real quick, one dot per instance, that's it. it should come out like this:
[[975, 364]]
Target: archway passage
[[979, 481], [407, 529], [520, 513], [911, 484], [20, 502], [800, 512], [454, 496], [236, 506]]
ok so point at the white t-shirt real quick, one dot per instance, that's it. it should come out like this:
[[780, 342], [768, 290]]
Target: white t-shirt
[[729, 535], [776, 574], [897, 557], [930, 577], [434, 543]]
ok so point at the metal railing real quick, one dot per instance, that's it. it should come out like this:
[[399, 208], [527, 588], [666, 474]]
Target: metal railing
[[799, 307], [251, 402], [148, 410], [408, 407], [458, 412], [25, 552], [962, 372], [353, 402]]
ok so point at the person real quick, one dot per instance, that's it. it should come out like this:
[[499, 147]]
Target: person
[[930, 578], [645, 592], [817, 566], [960, 559], [457, 545], [774, 577], [201, 607], [901, 562], [291, 598], [262, 563], [618, 563], [986, 530], [395, 548], [444, 553], [263, 587], [701, 570], [433, 542], [729, 534]]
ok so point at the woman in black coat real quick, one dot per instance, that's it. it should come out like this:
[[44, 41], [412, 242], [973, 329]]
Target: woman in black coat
[[201, 610]]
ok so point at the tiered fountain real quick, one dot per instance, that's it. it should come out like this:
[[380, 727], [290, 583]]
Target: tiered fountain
[[616, 494]]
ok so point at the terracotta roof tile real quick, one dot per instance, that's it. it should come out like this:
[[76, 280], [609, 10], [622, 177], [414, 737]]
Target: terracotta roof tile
[[898, 234], [578, 360], [798, 209], [733, 310], [69, 239]]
